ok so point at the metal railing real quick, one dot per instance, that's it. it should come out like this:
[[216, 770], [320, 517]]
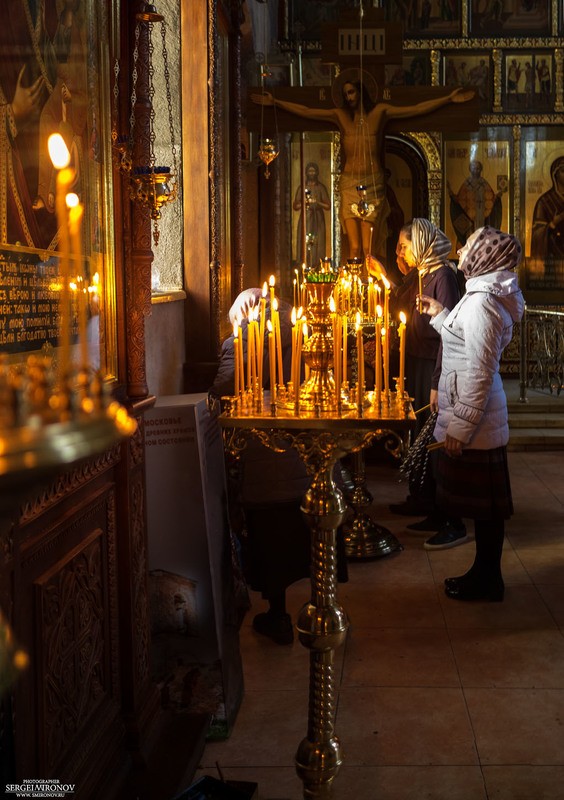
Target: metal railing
[[541, 353]]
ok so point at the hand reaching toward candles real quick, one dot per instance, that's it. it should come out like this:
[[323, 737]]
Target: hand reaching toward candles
[[428, 305], [375, 268]]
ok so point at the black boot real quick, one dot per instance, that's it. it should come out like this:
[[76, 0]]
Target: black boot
[[275, 623], [483, 581]]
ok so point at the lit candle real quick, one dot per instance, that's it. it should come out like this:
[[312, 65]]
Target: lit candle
[[236, 347], [345, 334], [360, 360], [76, 212], [378, 355], [60, 157], [295, 289], [305, 334], [241, 364], [401, 333], [385, 356], [278, 339], [387, 334], [370, 299], [250, 352], [272, 361], [332, 309], [294, 319], [262, 324], [299, 335], [337, 342], [271, 282], [256, 353]]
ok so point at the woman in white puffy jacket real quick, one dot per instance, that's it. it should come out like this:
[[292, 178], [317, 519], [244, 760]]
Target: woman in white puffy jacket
[[472, 473]]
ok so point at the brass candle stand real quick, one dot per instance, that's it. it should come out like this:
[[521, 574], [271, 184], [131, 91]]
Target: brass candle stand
[[322, 622], [323, 420]]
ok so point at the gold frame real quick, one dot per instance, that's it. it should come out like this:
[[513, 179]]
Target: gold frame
[[494, 153], [542, 282], [86, 74], [314, 147]]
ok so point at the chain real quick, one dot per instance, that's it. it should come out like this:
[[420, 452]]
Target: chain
[[134, 85], [169, 99], [116, 95], [151, 99]]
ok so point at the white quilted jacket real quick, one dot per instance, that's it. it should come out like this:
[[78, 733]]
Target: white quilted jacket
[[472, 402]]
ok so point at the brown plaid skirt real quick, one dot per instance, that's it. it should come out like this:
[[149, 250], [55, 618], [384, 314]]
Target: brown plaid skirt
[[475, 485]]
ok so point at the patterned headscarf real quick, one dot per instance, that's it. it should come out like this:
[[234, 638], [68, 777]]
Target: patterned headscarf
[[429, 245], [489, 250]]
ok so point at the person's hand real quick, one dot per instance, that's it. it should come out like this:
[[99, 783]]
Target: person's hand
[[27, 99], [434, 400], [375, 268], [428, 305], [461, 95], [264, 99], [453, 447]]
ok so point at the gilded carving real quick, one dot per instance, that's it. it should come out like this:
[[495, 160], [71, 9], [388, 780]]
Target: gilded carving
[[435, 65], [68, 482], [559, 80], [430, 145], [517, 183], [497, 57]]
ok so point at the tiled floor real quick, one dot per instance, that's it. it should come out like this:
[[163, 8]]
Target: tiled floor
[[437, 699]]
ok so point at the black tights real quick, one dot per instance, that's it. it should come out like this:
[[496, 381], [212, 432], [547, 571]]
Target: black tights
[[277, 603], [489, 547]]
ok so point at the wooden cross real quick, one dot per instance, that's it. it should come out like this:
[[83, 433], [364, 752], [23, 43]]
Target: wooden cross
[[379, 43]]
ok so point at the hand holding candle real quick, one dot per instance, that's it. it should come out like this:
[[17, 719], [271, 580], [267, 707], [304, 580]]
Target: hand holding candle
[[421, 274]]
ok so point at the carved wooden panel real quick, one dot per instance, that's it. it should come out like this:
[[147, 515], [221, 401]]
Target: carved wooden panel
[[68, 703]]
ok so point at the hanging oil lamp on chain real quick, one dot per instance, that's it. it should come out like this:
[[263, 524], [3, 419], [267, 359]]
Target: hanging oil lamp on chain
[[268, 151], [151, 185], [362, 208], [268, 146]]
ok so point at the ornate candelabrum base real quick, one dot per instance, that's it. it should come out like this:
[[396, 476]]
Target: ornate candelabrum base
[[365, 538], [322, 622], [322, 627]]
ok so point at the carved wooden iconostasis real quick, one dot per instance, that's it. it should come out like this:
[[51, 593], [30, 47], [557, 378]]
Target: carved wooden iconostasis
[[512, 56], [73, 547]]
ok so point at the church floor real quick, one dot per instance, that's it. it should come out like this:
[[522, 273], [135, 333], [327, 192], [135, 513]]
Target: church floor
[[437, 699]]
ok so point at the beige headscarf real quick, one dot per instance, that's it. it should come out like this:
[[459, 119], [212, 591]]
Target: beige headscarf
[[489, 250], [429, 245]]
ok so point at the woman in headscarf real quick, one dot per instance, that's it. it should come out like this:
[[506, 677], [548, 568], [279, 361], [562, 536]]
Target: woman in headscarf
[[472, 473], [267, 489], [423, 247]]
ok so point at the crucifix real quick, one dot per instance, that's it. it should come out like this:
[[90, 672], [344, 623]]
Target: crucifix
[[362, 110]]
